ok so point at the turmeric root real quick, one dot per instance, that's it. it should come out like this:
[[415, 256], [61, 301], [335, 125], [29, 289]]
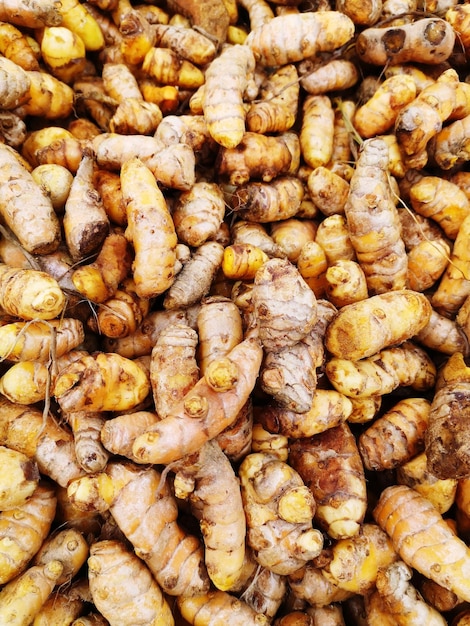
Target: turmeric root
[[393, 317], [302, 35], [277, 285], [329, 463], [85, 221], [30, 294], [263, 202], [423, 539], [22, 598], [20, 477], [198, 213], [99, 280], [210, 482], [69, 547], [445, 438], [428, 40], [139, 600], [149, 228], [38, 231], [383, 372], [35, 341], [174, 557], [23, 529], [101, 382], [373, 222], [279, 510], [222, 101], [39, 437], [205, 411], [221, 606]]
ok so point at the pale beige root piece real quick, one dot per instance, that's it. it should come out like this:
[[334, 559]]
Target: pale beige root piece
[[444, 335], [63, 53], [264, 591], [420, 120], [19, 478], [362, 329], [118, 433], [441, 200], [317, 130], [428, 40], [441, 492], [284, 305], [423, 539], [27, 430], [319, 78], [446, 438], [12, 129], [275, 110], [23, 529], [328, 190], [194, 280], [212, 405], [310, 584], [259, 12], [219, 607], [406, 365], [226, 80], [59, 608], [142, 340], [31, 15], [402, 600], [379, 113], [172, 166], [289, 375], [122, 587], [361, 13], [330, 615], [22, 598], [86, 428], [25, 207], [208, 480], [219, 328], [174, 557], [100, 279], [265, 202], [187, 42], [211, 19], [101, 381], [150, 229], [291, 38], [68, 546], [345, 283], [173, 367], [85, 221], [396, 436], [329, 463], [454, 286], [30, 294], [28, 382], [356, 561], [372, 218], [279, 510], [198, 213], [365, 409], [15, 84]]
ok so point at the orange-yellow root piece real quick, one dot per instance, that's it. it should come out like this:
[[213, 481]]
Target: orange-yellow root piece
[[423, 539], [123, 589], [205, 411]]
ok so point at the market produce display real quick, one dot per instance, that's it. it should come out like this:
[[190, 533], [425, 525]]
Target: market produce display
[[234, 313]]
